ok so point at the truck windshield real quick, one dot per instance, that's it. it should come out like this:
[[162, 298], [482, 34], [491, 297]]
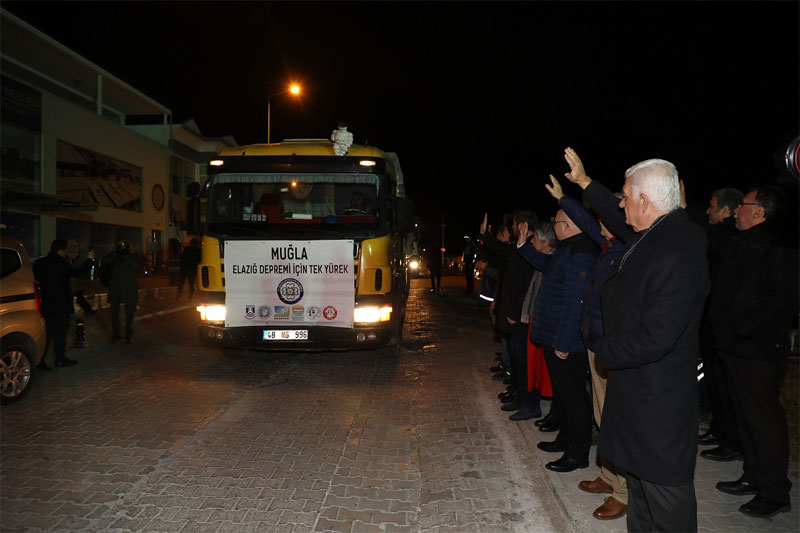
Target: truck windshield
[[269, 202]]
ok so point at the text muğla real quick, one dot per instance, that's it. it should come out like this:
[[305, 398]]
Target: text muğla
[[289, 252]]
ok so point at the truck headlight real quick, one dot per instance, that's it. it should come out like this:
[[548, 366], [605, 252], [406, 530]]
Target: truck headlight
[[212, 313], [372, 314], [413, 265]]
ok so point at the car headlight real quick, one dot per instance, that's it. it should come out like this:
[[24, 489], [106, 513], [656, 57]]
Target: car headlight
[[212, 313], [413, 265], [372, 314]]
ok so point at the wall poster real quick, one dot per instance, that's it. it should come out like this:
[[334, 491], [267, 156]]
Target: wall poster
[[88, 177]]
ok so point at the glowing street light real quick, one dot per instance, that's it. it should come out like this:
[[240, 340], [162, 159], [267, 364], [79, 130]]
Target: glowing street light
[[293, 89]]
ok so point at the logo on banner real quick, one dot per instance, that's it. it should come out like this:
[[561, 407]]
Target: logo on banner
[[282, 312], [249, 312], [329, 312], [314, 313], [298, 312], [290, 291], [264, 311]]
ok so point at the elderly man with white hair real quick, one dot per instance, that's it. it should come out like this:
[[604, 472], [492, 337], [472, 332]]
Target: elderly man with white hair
[[652, 304]]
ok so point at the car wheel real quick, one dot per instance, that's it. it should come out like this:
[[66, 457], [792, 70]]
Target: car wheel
[[16, 373]]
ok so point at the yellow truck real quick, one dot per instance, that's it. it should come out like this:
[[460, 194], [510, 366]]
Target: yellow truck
[[302, 249]]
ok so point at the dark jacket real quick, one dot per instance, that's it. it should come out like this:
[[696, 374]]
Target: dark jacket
[[496, 254], [53, 273], [755, 298], [652, 305], [558, 303], [123, 285], [190, 258], [514, 285], [591, 315]]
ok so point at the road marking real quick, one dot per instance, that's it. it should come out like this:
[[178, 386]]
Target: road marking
[[165, 311]]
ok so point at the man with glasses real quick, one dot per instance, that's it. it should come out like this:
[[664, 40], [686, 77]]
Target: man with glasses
[[555, 328], [720, 230], [753, 306]]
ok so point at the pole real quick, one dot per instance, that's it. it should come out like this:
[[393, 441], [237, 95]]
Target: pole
[[442, 248], [269, 98]]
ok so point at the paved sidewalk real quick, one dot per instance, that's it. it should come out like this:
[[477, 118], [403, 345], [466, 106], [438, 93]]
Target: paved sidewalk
[[716, 510]]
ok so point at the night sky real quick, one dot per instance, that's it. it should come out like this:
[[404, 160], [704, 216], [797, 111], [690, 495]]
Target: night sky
[[479, 100]]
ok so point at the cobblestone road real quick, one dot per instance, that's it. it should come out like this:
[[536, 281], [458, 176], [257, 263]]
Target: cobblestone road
[[166, 435]]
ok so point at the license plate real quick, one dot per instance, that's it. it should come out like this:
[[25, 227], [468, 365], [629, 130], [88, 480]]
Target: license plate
[[285, 334]]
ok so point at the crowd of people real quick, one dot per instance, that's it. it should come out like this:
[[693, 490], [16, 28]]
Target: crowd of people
[[608, 308]]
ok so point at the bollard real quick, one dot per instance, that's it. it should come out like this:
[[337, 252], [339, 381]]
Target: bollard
[[80, 335]]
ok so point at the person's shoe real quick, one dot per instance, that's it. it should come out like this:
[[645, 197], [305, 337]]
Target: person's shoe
[[43, 366], [709, 438], [546, 420], [507, 381], [598, 486], [566, 464], [761, 508], [115, 339], [499, 376], [610, 510], [508, 398], [721, 453], [738, 487], [511, 406], [552, 447], [525, 414], [66, 362], [548, 428], [509, 390], [497, 368]]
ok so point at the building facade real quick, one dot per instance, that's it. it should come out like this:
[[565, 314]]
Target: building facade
[[88, 158]]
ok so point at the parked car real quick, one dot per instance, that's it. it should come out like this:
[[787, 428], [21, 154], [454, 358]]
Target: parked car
[[22, 328]]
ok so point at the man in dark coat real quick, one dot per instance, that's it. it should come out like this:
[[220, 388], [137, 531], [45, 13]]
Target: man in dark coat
[[53, 273], [190, 258], [720, 230], [612, 479], [515, 285], [122, 287], [555, 328], [753, 306], [652, 304]]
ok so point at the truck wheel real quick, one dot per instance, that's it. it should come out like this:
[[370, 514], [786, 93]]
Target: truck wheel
[[16, 372]]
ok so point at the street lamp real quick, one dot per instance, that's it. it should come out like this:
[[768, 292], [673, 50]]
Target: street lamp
[[293, 89]]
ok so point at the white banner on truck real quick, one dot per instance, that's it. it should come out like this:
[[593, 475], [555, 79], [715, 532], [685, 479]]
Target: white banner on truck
[[289, 283]]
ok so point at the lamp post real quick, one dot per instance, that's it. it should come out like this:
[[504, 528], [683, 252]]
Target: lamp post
[[294, 89]]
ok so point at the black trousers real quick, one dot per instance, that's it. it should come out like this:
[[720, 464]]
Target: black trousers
[[470, 275], [57, 334], [723, 420], [755, 388], [568, 377], [653, 507], [130, 309], [183, 276], [519, 356], [436, 278]]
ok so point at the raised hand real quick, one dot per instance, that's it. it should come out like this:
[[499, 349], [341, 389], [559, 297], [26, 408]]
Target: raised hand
[[523, 233], [577, 174], [485, 223], [555, 188]]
